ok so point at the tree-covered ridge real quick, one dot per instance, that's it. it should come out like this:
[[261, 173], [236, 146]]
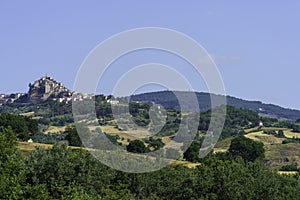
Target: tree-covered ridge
[[169, 100]]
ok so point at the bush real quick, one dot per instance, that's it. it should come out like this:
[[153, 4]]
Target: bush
[[192, 153], [291, 167], [137, 146]]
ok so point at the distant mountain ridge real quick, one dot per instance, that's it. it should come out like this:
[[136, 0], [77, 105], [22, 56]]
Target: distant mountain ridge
[[169, 100]]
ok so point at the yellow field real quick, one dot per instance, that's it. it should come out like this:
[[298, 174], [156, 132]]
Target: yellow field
[[287, 173], [28, 114], [111, 130], [55, 129], [222, 146], [274, 128], [186, 164], [264, 138], [37, 118], [131, 134], [290, 134], [166, 139], [278, 154], [219, 150], [26, 146], [124, 136], [250, 129]]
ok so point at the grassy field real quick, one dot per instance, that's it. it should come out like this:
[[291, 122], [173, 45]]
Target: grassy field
[[28, 114], [186, 164], [26, 147], [166, 139], [112, 130], [273, 128], [55, 129], [277, 154], [125, 136], [251, 130], [264, 138], [222, 146], [290, 134]]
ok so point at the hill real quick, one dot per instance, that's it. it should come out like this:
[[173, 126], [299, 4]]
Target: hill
[[46, 89], [169, 100]]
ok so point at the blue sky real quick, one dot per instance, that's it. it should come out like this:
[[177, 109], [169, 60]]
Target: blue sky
[[255, 44]]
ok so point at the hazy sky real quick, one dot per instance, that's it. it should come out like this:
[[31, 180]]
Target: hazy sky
[[255, 44]]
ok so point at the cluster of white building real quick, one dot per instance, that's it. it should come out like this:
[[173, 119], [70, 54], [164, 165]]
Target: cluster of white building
[[5, 98]]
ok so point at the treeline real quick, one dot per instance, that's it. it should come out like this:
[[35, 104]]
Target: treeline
[[62, 173]]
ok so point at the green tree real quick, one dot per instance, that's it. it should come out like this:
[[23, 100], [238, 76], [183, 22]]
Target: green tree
[[137, 146], [11, 166], [281, 134], [291, 167], [72, 136], [192, 153], [296, 128], [22, 126], [68, 174], [248, 149]]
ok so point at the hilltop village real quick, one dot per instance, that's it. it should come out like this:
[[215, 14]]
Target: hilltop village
[[41, 90]]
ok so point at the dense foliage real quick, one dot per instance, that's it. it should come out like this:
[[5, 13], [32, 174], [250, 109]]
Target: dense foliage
[[137, 146], [237, 119], [23, 126], [192, 153], [11, 174], [72, 136], [246, 148], [291, 168], [62, 173]]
